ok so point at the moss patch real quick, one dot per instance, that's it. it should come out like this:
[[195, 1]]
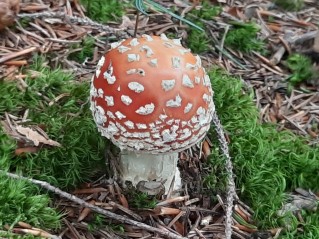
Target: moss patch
[[267, 163], [67, 121]]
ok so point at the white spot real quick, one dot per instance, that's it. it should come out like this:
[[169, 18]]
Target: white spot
[[119, 88], [101, 62], [126, 99], [190, 66], [188, 107], [100, 93], [153, 62], [112, 129], [110, 114], [119, 115], [206, 98], [187, 81], [184, 51], [99, 65], [141, 135], [202, 116], [129, 124], [186, 134], [177, 102], [170, 122], [176, 62], [149, 51], [136, 71], [134, 42], [206, 80], [141, 126], [198, 61], [184, 123], [168, 44], [162, 117], [167, 136], [197, 80], [116, 44], [164, 37], [123, 49], [133, 57], [174, 128], [152, 125], [121, 127], [110, 79], [93, 91], [194, 119], [122, 139], [136, 87], [146, 110], [177, 42], [147, 37], [156, 136], [109, 100], [99, 115], [168, 84]]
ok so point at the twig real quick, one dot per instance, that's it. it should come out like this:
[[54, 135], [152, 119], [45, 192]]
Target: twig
[[83, 203], [136, 23], [231, 193], [71, 19], [16, 54], [222, 43]]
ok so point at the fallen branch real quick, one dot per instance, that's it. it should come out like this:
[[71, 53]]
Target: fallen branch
[[78, 20], [231, 193], [83, 203]]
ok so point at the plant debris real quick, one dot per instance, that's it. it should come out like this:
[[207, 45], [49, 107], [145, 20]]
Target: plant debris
[[61, 29]]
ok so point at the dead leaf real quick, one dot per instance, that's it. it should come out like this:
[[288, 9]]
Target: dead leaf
[[206, 149], [35, 137], [85, 212], [127, 23], [24, 150]]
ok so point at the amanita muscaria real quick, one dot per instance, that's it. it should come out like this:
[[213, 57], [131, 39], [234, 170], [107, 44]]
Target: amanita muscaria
[[152, 98]]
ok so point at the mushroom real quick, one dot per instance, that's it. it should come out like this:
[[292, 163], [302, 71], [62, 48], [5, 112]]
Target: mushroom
[[152, 98]]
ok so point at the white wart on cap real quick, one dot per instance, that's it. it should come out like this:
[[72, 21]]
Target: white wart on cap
[[150, 94]]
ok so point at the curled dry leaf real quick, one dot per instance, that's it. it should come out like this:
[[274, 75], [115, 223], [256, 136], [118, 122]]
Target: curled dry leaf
[[35, 136]]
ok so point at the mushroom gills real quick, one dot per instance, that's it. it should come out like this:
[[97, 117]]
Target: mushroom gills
[[136, 167]]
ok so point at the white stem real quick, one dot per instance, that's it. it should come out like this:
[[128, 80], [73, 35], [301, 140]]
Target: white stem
[[136, 167]]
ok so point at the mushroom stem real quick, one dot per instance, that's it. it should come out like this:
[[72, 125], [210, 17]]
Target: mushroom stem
[[137, 167]]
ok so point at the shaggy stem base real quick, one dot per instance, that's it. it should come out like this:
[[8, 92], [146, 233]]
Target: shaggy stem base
[[137, 167]]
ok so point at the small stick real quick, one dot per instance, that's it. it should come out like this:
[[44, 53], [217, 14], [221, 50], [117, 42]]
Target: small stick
[[136, 23], [10, 56], [83, 203], [71, 19], [231, 191], [222, 43]]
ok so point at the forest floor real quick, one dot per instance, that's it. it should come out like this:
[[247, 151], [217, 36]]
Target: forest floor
[[262, 58]]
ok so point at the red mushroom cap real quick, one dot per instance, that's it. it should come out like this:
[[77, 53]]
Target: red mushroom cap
[[151, 94]]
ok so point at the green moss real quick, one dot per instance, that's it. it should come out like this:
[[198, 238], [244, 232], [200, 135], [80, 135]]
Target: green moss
[[104, 10], [290, 5], [141, 200], [301, 68], [207, 11], [67, 121], [243, 37], [20, 201], [86, 50], [267, 163], [198, 41]]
